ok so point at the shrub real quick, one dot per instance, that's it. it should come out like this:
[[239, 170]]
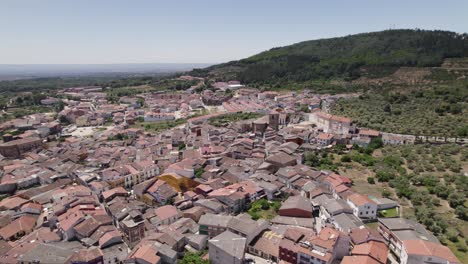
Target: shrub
[[462, 247], [462, 212], [371, 180], [456, 199], [386, 193], [384, 176], [199, 172], [452, 236], [345, 158]]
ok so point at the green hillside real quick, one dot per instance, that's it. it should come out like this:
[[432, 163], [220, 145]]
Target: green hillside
[[373, 54]]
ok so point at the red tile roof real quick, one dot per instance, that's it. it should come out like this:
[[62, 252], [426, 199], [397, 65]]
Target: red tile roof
[[147, 253], [376, 250], [119, 191], [12, 203], [426, 248], [358, 260], [166, 211], [23, 224], [359, 199]]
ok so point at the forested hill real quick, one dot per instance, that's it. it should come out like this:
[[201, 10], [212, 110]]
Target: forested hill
[[345, 57]]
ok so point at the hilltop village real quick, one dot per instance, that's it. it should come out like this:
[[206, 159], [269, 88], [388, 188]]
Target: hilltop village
[[219, 175]]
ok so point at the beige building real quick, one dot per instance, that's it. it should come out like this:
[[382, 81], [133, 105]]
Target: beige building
[[330, 123]]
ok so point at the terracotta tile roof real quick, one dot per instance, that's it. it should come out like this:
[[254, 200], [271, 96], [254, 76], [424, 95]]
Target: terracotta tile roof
[[365, 234], [268, 243], [326, 238], [295, 233], [222, 192], [113, 192], [33, 206], [376, 250], [42, 234], [369, 132], [88, 226], [86, 255], [358, 260], [166, 211], [108, 236], [71, 218], [325, 136], [341, 188], [426, 248], [204, 188], [297, 202], [316, 192], [11, 257], [333, 117], [359, 199], [11, 203], [281, 158], [147, 253], [4, 247], [23, 224]]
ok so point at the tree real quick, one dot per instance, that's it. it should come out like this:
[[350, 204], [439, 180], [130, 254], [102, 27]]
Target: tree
[[386, 193], [452, 236], [387, 108], [19, 100], [384, 176], [345, 158], [376, 143], [312, 160], [193, 258], [419, 198], [456, 199], [37, 97], [199, 172], [141, 101], [462, 247], [59, 106], [441, 191], [264, 204], [304, 108], [462, 212], [182, 146], [371, 180], [462, 131]]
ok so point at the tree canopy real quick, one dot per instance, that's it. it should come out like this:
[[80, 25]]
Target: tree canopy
[[346, 57]]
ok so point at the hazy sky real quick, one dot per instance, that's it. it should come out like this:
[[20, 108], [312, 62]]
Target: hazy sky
[[138, 31]]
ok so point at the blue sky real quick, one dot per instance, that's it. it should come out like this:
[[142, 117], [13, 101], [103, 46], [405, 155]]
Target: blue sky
[[144, 31]]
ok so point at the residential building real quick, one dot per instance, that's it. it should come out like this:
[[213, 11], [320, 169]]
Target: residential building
[[362, 206], [296, 206], [17, 147], [133, 227], [425, 252], [227, 247], [396, 230], [213, 225]]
